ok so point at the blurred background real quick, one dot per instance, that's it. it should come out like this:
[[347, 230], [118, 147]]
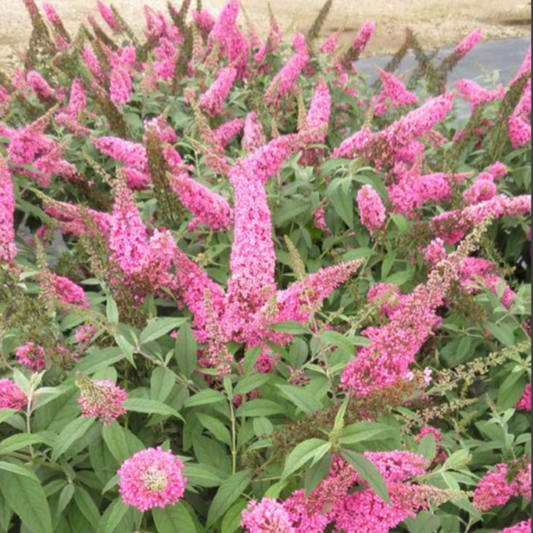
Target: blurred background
[[437, 22]]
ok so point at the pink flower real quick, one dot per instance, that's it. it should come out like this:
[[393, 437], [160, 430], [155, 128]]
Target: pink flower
[[32, 356], [85, 335], [283, 83], [330, 45], [166, 55], [254, 136], [523, 527], [68, 292], [51, 14], [204, 20], [108, 15], [303, 298], [394, 92], [395, 345], [225, 133], [131, 154], [466, 45], [144, 263], [40, 86], [268, 516], [434, 252], [190, 283], [11, 397], [371, 208], [151, 478], [364, 36], [92, 63], [497, 489], [525, 403], [413, 191], [212, 102], [8, 250], [208, 208], [120, 87], [101, 399], [320, 112], [476, 94]]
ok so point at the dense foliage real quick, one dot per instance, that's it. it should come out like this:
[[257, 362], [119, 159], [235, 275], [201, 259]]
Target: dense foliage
[[244, 290]]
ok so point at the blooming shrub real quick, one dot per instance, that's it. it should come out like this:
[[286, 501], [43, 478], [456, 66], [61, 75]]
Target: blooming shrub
[[244, 291]]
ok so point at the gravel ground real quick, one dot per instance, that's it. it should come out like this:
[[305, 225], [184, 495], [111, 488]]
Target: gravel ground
[[437, 22]]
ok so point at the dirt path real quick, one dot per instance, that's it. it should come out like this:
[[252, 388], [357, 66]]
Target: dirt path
[[437, 22]]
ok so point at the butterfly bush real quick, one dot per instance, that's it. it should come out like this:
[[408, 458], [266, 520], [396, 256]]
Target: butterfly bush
[[245, 288]]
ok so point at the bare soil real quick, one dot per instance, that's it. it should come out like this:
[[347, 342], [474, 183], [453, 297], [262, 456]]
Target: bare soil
[[437, 22]]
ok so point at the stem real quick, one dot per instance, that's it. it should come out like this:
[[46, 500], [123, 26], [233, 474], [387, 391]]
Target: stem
[[233, 436]]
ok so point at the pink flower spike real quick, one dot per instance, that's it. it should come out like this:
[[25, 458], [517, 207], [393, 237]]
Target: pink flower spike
[[108, 15], [372, 210], [523, 527], [100, 399], [40, 86], [212, 102], [525, 402], [8, 250], [68, 292], [268, 516], [254, 136], [32, 356], [152, 478], [364, 36], [11, 397], [466, 45]]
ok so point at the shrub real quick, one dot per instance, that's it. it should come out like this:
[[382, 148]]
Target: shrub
[[242, 290]]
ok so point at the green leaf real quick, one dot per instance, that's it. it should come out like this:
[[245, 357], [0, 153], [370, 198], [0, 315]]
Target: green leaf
[[317, 473], [365, 431], [232, 520], [205, 397], [26, 497], [115, 516], [100, 360], [215, 427], [303, 399], [511, 391], [65, 498], [112, 311], [428, 447], [186, 351], [173, 519], [160, 327], [250, 359], [150, 407], [337, 339], [250, 383], [302, 454], [425, 522], [6, 414], [115, 439], [227, 495], [292, 328], [87, 506], [503, 332], [161, 383], [369, 473], [255, 408], [70, 434], [127, 349], [202, 475], [341, 197], [18, 442]]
